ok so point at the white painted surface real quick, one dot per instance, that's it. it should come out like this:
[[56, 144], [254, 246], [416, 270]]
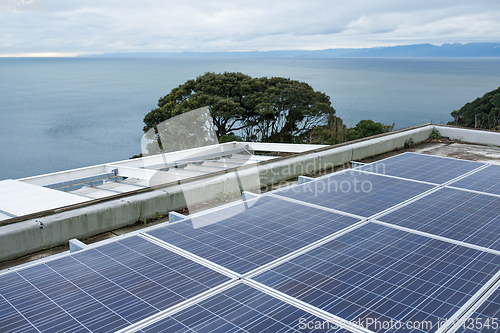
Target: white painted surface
[[19, 198], [92, 192], [118, 187], [66, 175], [283, 147], [470, 135], [4, 217]]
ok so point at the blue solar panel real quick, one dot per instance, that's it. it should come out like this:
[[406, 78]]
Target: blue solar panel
[[370, 273], [241, 309], [432, 169], [247, 237], [486, 180], [380, 273], [356, 193], [460, 215], [100, 290], [486, 319]]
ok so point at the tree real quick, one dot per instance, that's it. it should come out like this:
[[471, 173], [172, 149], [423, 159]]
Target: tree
[[286, 110], [258, 109], [224, 94], [484, 112], [366, 128], [332, 133], [230, 137]]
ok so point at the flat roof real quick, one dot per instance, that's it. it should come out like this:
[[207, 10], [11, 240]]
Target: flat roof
[[79, 186], [413, 248]]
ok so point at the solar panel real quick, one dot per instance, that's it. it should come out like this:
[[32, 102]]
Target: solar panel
[[427, 168], [460, 215], [485, 319], [383, 274], [356, 193], [247, 237], [101, 289], [372, 273], [486, 180], [241, 309]]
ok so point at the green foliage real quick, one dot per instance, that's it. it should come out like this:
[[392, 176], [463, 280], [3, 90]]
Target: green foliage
[[483, 112], [222, 196], [332, 133], [336, 132], [409, 142], [229, 138], [323, 136], [187, 130], [366, 128], [136, 156], [258, 109], [226, 196], [435, 134], [262, 109], [286, 111]]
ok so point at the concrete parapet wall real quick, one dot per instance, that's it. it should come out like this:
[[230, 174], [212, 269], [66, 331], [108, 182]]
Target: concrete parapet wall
[[34, 235], [289, 168], [470, 135], [384, 144]]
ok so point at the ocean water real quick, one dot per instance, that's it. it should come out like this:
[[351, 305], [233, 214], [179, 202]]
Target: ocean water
[[63, 113]]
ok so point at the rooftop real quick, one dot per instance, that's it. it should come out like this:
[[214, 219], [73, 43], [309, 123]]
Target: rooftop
[[411, 237]]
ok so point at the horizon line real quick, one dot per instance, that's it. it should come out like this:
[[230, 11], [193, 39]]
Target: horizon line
[[79, 54]]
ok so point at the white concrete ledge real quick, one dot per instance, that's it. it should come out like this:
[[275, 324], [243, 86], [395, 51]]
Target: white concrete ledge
[[470, 135], [355, 164], [75, 245], [283, 147], [304, 179], [174, 217], [248, 195]]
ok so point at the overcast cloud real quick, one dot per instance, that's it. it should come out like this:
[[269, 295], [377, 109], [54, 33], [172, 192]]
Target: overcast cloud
[[80, 27]]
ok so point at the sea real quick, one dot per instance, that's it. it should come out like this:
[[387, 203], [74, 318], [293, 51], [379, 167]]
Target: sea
[[64, 113]]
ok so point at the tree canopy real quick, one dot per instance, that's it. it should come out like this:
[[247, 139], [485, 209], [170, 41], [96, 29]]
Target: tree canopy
[[335, 131], [366, 128], [484, 112], [242, 108], [259, 109]]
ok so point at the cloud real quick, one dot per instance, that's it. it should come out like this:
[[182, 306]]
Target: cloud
[[194, 25]]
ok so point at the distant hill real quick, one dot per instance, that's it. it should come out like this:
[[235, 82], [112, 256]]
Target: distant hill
[[400, 51]]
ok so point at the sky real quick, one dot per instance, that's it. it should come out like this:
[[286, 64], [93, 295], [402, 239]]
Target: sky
[[70, 28]]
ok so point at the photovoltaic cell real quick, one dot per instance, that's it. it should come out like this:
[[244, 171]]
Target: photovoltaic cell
[[486, 180], [355, 192], [486, 319], [241, 309], [373, 272], [460, 215], [432, 169], [247, 237], [383, 274], [101, 289], [11, 320]]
